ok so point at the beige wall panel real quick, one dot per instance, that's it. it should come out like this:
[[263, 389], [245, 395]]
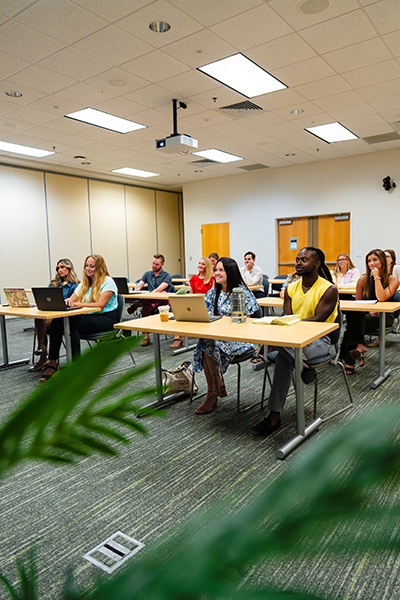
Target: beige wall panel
[[68, 214], [23, 231], [141, 230], [168, 230], [107, 211]]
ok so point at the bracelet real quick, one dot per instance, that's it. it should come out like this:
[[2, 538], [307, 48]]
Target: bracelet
[[375, 278]]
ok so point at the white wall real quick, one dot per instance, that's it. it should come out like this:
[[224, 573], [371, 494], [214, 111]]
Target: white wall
[[253, 201]]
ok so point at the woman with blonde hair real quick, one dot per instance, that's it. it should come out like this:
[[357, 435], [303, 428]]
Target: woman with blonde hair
[[97, 290], [345, 274], [375, 284], [204, 280], [67, 280]]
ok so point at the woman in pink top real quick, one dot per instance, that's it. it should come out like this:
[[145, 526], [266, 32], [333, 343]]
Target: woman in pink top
[[345, 274], [201, 283]]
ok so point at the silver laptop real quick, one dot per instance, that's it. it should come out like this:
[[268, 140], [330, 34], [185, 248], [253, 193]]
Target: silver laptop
[[190, 307], [17, 298]]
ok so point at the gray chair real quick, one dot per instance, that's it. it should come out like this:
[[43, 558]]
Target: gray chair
[[107, 335], [276, 287]]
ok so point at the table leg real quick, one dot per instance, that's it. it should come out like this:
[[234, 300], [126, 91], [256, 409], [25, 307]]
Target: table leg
[[382, 373], [6, 363], [67, 336], [302, 431]]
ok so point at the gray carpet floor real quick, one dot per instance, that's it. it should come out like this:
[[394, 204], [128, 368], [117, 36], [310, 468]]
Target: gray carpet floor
[[184, 465]]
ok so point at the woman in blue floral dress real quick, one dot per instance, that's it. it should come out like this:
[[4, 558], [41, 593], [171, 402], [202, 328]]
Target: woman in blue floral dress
[[214, 356]]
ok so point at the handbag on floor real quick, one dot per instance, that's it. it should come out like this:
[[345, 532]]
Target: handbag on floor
[[178, 380]]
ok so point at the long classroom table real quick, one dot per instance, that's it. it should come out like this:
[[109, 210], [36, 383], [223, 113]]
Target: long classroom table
[[35, 313], [297, 336], [351, 305]]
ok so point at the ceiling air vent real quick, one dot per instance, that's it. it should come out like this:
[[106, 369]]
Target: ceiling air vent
[[384, 137], [255, 167], [396, 125], [204, 162], [242, 109]]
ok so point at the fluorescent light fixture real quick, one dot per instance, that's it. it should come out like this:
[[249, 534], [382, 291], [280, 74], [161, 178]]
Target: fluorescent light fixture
[[105, 120], [134, 172], [242, 75], [27, 150], [217, 155], [332, 132]]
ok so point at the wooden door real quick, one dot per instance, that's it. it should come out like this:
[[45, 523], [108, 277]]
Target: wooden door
[[334, 236], [292, 236], [215, 238]]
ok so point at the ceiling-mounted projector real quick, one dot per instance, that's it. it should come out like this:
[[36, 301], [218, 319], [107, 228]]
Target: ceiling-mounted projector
[[176, 142]]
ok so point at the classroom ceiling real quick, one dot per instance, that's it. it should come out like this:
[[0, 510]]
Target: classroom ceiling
[[340, 63]]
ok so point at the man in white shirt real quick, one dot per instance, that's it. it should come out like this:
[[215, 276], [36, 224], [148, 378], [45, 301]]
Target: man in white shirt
[[252, 275]]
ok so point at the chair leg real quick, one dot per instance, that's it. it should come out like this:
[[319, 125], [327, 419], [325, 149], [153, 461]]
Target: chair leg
[[315, 396], [259, 402], [341, 410], [33, 347]]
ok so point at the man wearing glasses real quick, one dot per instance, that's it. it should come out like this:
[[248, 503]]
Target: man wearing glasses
[[157, 280]]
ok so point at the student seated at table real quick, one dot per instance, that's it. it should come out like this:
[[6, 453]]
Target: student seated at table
[[214, 258], [291, 278], [312, 298], [97, 290], [375, 284], [393, 268], [68, 280], [204, 280], [345, 274], [216, 355]]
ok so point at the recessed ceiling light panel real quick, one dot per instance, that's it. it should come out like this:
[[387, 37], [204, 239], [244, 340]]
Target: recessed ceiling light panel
[[134, 172], [26, 150], [217, 155], [332, 132], [242, 75], [105, 120]]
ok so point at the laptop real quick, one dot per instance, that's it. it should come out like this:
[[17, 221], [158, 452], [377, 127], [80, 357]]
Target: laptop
[[16, 297], [123, 288], [51, 299], [191, 307]]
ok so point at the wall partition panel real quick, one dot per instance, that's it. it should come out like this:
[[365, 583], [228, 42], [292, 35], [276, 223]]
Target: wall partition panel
[[141, 230], [169, 231], [68, 215], [107, 215], [23, 229]]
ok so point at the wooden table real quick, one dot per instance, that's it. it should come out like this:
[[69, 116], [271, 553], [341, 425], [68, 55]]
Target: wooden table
[[350, 305], [343, 290], [35, 313], [297, 336]]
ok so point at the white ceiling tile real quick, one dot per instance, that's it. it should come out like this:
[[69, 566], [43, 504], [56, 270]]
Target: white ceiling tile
[[111, 10], [121, 107], [155, 66], [387, 105], [210, 12], [55, 106], [379, 91], [138, 23], [28, 94], [85, 94], [190, 83], [380, 73], [42, 79], [393, 41], [35, 45], [10, 8], [223, 95], [61, 19], [199, 120], [367, 149], [387, 145], [229, 127], [308, 70], [391, 115], [339, 32], [263, 120], [363, 132], [280, 53], [10, 126], [309, 110], [199, 49], [358, 55], [323, 87], [279, 99], [260, 23], [351, 112], [385, 15], [26, 114], [152, 118], [10, 65], [132, 82], [289, 10], [343, 100], [365, 122], [114, 45], [74, 63], [151, 96]]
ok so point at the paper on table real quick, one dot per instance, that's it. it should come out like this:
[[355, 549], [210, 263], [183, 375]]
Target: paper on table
[[365, 301]]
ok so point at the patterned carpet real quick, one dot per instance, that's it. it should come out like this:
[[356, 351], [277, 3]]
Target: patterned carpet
[[184, 465]]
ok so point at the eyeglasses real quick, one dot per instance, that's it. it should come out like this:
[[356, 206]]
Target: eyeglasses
[[341, 259]]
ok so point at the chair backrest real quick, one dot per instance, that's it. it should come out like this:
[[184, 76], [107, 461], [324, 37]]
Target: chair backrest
[[120, 307], [276, 287], [177, 276], [396, 298], [266, 284], [335, 335]]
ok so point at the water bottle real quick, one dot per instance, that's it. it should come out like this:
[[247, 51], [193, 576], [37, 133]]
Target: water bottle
[[238, 305]]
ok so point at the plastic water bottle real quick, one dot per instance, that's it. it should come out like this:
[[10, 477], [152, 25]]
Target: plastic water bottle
[[238, 305]]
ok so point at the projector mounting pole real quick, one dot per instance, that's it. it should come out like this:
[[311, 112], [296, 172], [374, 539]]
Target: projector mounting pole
[[175, 105]]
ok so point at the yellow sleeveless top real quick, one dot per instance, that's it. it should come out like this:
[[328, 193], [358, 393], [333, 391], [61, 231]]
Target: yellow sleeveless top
[[304, 304]]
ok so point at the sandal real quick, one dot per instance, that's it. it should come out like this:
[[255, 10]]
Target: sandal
[[349, 369], [176, 344], [39, 365], [49, 375], [356, 354]]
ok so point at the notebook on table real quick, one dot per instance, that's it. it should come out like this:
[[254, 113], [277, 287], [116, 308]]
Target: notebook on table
[[16, 297], [51, 299], [191, 308]]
